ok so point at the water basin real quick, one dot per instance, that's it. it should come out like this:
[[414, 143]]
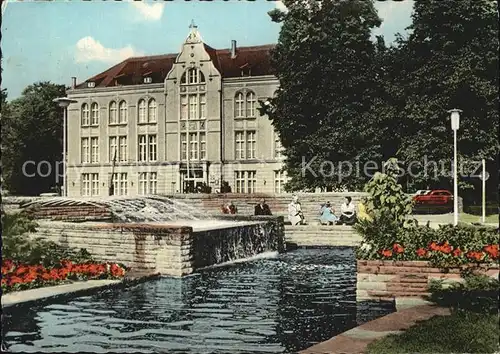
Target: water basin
[[280, 304]]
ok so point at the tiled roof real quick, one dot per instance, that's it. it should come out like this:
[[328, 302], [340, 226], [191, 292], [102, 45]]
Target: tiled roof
[[133, 70]]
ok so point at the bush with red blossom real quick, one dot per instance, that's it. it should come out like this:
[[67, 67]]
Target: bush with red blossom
[[17, 276]]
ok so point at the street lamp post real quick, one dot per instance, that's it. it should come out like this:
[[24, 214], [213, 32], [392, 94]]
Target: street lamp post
[[455, 124], [64, 102]]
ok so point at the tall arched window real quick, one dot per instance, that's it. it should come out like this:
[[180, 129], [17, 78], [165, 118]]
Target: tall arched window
[[192, 76], [123, 112], [152, 110], [94, 118], [113, 118], [142, 111], [85, 114], [239, 105], [251, 104]]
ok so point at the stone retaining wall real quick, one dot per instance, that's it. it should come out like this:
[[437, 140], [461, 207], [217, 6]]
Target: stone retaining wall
[[386, 280], [165, 249]]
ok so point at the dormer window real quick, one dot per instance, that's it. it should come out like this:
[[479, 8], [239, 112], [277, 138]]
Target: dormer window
[[148, 80], [193, 76], [246, 70], [90, 84]]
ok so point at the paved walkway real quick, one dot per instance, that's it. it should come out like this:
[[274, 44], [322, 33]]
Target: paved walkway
[[356, 340]]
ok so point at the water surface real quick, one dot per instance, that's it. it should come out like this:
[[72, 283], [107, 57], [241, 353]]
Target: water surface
[[278, 305]]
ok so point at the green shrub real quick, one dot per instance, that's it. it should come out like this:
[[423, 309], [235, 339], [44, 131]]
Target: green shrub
[[478, 293], [19, 247]]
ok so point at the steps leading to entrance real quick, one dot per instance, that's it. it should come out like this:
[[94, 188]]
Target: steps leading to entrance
[[315, 235]]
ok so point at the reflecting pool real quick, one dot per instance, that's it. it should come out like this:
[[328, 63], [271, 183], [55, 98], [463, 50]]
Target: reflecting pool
[[274, 305]]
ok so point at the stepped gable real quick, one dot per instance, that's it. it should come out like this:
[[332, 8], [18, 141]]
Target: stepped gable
[[133, 70]]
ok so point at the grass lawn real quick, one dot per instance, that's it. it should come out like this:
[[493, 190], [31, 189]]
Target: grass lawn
[[490, 219], [458, 333]]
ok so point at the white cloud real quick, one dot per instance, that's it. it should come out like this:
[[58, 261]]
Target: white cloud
[[88, 49], [395, 16], [148, 12], [281, 6]]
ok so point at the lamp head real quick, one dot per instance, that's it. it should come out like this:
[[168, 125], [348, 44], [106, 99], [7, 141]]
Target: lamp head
[[64, 101], [455, 118]]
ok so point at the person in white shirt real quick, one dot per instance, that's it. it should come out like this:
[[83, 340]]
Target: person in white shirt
[[295, 215], [347, 212]]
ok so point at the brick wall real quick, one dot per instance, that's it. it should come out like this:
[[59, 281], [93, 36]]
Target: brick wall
[[386, 280], [164, 249]]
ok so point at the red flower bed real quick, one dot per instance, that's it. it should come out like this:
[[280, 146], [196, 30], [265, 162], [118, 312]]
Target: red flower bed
[[444, 250], [17, 276]]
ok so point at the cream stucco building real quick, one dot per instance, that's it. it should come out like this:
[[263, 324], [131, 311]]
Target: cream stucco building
[[161, 124]]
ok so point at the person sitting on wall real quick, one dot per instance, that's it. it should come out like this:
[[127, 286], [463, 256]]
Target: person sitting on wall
[[262, 208], [328, 216], [347, 212], [295, 215], [224, 208]]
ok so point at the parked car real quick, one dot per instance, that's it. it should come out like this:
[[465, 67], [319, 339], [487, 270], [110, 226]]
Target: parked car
[[434, 197]]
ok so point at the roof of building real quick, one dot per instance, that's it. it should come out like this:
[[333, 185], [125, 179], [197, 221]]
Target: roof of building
[[252, 61]]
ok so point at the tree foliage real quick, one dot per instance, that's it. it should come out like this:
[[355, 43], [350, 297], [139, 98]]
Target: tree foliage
[[450, 61], [345, 97], [32, 131], [324, 60]]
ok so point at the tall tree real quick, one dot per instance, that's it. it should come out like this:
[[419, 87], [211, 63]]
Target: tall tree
[[32, 139], [323, 112], [449, 60]]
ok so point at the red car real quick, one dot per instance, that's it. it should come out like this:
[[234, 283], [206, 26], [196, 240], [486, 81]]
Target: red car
[[435, 197]]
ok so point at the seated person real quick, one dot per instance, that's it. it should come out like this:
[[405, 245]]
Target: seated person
[[295, 215], [262, 208], [229, 209], [327, 213], [347, 212]]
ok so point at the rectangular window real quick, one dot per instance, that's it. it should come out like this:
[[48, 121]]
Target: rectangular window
[[94, 143], [153, 183], [279, 181], [193, 107], [278, 148], [203, 146], [142, 148], [184, 107], [86, 184], [245, 181], [113, 148], [240, 145], [251, 145], [203, 106], [183, 146], [193, 146], [147, 183], [152, 148], [143, 183], [120, 183], [94, 178], [85, 150], [123, 148], [245, 143]]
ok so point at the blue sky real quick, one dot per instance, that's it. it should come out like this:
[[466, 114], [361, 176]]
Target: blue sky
[[52, 41]]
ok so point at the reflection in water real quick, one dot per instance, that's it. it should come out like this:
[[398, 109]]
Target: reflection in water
[[277, 305]]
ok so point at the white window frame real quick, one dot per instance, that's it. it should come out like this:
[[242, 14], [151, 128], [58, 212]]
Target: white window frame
[[85, 115], [251, 104], [280, 179], [123, 112], [142, 111], [245, 181], [122, 148], [94, 150], [113, 113], [239, 105], [94, 114], [85, 150], [152, 111]]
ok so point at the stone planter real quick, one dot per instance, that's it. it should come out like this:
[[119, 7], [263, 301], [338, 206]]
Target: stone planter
[[389, 280]]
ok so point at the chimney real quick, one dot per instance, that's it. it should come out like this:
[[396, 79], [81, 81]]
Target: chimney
[[73, 82], [233, 49]]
